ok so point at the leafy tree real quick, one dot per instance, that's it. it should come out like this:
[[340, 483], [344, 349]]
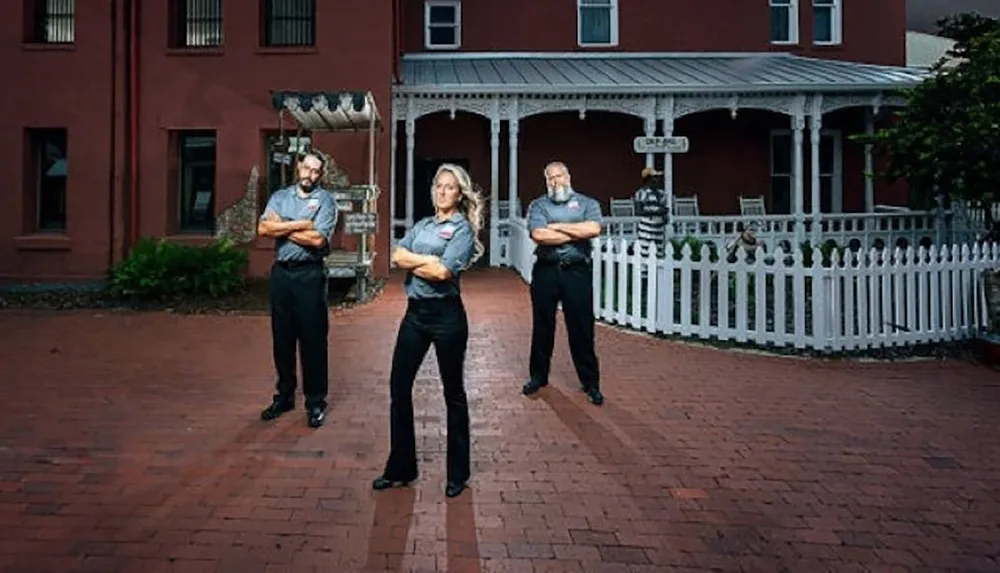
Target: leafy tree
[[946, 141]]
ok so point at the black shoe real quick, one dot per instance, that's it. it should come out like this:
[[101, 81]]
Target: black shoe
[[383, 483], [453, 489], [596, 398], [277, 408], [532, 386], [316, 417]]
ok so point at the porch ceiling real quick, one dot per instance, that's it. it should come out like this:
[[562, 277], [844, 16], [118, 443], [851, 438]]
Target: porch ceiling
[[653, 73]]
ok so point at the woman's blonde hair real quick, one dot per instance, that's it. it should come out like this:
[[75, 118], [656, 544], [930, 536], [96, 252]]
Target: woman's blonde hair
[[470, 204]]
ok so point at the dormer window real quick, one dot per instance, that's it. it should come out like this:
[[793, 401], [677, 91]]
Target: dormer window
[[442, 24]]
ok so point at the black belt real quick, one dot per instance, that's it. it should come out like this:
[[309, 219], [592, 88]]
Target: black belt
[[298, 264], [563, 264]]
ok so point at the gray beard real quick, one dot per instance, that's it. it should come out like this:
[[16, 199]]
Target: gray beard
[[559, 194]]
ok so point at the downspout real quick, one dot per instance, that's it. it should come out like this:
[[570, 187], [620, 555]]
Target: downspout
[[112, 155], [397, 39], [133, 125]]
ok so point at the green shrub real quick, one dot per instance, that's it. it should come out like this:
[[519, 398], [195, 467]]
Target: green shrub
[[159, 269]]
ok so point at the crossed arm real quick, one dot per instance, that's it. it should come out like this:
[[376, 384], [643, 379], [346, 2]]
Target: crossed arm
[[300, 231], [427, 267], [554, 234]]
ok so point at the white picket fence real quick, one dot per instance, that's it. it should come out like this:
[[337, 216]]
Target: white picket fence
[[861, 300]]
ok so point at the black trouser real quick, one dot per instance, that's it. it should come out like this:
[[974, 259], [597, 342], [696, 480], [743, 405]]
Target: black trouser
[[299, 314], [442, 322], [572, 285]]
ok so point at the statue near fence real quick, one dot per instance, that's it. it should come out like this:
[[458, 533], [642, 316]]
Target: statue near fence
[[653, 209]]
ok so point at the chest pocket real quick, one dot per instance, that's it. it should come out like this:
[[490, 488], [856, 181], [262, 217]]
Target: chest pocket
[[433, 239], [572, 212]]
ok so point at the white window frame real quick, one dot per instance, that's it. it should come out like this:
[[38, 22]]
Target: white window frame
[[836, 8], [793, 21], [612, 8], [836, 176], [457, 25]]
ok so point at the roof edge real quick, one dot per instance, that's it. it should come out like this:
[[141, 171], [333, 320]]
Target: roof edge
[[432, 56], [503, 89]]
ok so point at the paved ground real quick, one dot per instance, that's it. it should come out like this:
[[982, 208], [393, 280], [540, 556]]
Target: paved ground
[[132, 443]]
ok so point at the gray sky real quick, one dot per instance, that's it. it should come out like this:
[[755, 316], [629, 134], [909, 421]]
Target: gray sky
[[921, 14]]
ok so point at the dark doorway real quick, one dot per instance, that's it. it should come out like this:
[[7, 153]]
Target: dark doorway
[[423, 180]]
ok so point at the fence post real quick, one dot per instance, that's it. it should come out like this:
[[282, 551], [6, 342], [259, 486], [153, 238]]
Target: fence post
[[819, 295]]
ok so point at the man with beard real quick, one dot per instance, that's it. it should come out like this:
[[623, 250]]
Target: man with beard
[[300, 218], [562, 222]]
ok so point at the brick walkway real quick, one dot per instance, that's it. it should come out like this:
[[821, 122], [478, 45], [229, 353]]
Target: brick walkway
[[132, 443]]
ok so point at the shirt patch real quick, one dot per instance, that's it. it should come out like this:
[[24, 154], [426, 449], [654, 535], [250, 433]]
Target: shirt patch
[[446, 232], [574, 205], [313, 204]]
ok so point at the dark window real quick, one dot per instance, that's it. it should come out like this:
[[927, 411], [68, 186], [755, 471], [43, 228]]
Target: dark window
[[50, 21], [196, 162], [196, 23], [46, 179], [784, 28], [597, 25], [442, 21], [289, 22]]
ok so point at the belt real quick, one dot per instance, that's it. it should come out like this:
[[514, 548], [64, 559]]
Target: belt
[[563, 264], [299, 264]]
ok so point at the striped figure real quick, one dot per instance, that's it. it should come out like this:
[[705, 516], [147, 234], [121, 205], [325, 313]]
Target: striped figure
[[652, 209]]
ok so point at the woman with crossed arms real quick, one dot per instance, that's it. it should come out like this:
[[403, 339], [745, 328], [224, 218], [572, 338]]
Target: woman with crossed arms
[[434, 252]]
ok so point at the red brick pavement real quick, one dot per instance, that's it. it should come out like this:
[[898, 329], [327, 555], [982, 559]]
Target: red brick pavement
[[131, 443]]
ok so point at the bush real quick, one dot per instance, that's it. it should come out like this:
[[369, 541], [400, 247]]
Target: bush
[[158, 269]]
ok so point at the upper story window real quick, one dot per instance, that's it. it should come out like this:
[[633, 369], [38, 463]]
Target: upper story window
[[597, 22], [442, 24], [50, 21], [827, 22], [288, 23], [784, 21], [196, 23]]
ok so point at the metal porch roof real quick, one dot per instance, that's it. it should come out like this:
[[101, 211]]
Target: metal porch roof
[[643, 73]]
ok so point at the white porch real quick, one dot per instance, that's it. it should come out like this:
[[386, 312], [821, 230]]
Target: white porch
[[660, 89]]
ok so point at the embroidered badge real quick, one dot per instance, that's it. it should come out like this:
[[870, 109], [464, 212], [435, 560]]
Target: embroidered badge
[[574, 205], [313, 204], [446, 232]]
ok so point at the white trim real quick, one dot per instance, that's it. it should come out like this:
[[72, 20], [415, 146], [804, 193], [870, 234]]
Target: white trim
[[836, 176], [612, 7], [793, 21], [836, 8], [457, 24]]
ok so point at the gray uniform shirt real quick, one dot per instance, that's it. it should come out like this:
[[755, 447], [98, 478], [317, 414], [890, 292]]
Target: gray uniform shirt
[[317, 206], [452, 241], [577, 209]]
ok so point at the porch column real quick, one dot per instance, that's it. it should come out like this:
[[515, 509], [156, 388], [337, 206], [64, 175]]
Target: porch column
[[410, 129], [798, 124], [666, 113], [815, 125], [495, 190], [869, 162], [393, 144], [513, 128]]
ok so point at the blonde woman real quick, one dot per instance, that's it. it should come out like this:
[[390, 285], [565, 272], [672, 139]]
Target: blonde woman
[[434, 253]]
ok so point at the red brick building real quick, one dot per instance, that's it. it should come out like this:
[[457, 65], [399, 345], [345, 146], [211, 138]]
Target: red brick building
[[123, 107]]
